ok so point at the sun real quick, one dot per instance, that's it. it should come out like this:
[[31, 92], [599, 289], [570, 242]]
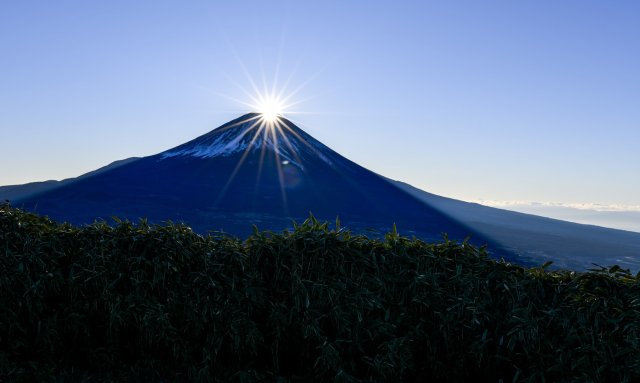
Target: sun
[[270, 109]]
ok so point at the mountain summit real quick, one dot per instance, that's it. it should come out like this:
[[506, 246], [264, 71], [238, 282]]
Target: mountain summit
[[250, 134], [254, 172]]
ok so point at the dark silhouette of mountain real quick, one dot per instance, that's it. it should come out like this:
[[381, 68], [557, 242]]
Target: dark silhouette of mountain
[[249, 171], [246, 171]]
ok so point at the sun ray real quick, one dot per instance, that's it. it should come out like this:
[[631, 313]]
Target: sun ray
[[241, 136], [265, 87], [294, 153], [286, 83], [238, 59], [325, 67], [303, 85], [241, 63], [256, 100], [279, 167], [285, 106], [231, 98], [280, 51], [293, 71], [340, 171], [236, 124], [315, 150], [330, 113], [262, 150], [241, 161]]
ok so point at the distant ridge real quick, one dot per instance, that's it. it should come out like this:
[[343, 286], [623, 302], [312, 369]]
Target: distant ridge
[[13, 192]]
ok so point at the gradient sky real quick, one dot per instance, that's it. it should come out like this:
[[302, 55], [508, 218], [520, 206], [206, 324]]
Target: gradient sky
[[494, 100]]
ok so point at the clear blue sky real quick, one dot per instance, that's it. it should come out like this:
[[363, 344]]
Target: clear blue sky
[[498, 100]]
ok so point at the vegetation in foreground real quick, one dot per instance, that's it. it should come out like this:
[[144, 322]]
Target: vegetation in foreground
[[139, 302]]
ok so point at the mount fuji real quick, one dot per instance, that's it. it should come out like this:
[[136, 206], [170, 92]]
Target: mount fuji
[[248, 171], [252, 171]]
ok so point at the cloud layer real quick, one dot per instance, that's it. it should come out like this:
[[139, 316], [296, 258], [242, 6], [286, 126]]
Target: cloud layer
[[580, 206]]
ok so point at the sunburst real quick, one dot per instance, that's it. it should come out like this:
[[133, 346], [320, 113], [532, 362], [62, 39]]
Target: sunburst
[[270, 109], [271, 106]]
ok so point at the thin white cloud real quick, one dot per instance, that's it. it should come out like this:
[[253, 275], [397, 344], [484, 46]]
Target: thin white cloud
[[580, 206]]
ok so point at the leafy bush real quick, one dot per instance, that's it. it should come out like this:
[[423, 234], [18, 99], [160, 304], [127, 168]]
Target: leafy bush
[[140, 302]]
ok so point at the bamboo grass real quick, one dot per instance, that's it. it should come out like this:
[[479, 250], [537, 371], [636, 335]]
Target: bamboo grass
[[142, 302]]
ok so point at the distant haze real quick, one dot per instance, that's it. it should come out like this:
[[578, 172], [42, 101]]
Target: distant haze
[[612, 216]]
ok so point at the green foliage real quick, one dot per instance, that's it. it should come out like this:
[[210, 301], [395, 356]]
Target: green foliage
[[140, 302]]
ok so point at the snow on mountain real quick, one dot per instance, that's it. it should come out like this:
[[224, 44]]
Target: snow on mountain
[[253, 133]]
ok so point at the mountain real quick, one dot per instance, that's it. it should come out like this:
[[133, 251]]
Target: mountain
[[250, 171], [246, 172]]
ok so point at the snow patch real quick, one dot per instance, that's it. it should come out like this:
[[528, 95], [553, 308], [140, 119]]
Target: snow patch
[[289, 146]]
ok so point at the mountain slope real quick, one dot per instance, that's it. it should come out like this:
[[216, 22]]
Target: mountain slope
[[568, 244], [14, 192]]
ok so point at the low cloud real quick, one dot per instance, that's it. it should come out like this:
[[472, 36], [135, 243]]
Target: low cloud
[[580, 206]]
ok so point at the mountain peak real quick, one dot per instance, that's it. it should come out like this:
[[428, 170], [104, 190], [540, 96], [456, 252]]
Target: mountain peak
[[252, 133]]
